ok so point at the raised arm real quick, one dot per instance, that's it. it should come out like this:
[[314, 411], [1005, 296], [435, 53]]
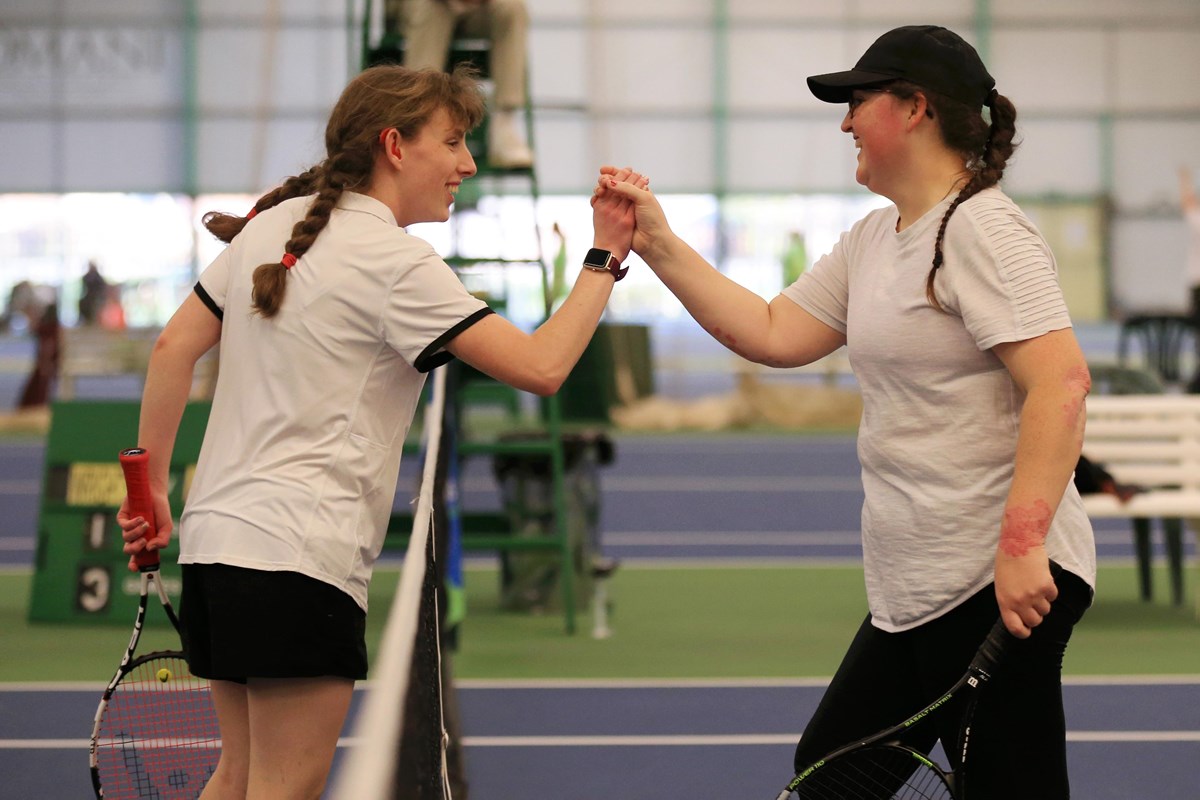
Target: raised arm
[[1187, 191], [540, 362], [1052, 372], [778, 334]]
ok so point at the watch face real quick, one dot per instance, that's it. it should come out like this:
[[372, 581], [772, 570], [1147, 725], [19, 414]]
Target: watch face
[[597, 258]]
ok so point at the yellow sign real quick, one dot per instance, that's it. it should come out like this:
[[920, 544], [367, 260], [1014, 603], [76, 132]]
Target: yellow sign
[[95, 484]]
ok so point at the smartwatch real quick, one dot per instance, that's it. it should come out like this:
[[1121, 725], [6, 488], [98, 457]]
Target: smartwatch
[[604, 261]]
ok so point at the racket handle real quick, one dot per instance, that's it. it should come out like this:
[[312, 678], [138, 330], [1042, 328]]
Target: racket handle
[[135, 463], [999, 638], [993, 647]]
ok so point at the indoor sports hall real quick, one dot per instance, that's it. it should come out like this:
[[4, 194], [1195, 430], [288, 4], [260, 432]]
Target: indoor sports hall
[[648, 580]]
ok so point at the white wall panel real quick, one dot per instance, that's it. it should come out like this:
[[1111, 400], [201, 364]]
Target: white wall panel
[[825, 11], [768, 67], [677, 154], [558, 66], [1147, 155], [1157, 69], [123, 155], [652, 69], [790, 156], [1148, 265], [1097, 11], [1054, 70], [1056, 157], [255, 11], [691, 12], [89, 69], [226, 161], [69, 11], [308, 69], [30, 157], [566, 159], [557, 11]]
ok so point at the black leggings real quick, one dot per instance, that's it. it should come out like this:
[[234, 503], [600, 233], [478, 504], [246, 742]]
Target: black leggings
[[1018, 741]]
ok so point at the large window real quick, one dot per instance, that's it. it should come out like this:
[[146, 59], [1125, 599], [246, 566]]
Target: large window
[[153, 246]]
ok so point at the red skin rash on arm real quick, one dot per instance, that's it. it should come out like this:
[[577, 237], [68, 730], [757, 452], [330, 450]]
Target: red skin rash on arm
[[1079, 380], [727, 339], [1024, 529]]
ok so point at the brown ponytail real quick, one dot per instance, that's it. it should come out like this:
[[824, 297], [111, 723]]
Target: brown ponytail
[[986, 148]]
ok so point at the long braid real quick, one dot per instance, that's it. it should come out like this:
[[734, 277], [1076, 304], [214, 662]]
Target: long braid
[[226, 226], [378, 99], [986, 164], [343, 171]]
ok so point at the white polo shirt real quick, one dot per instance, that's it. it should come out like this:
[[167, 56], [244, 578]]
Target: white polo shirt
[[299, 463]]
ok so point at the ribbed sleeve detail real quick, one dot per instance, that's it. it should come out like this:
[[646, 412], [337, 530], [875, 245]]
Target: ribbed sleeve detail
[[1024, 265]]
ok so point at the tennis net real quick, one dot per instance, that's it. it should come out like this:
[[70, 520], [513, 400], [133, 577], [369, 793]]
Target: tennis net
[[400, 721]]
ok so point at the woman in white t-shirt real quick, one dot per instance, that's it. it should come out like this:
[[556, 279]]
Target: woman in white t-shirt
[[328, 316], [973, 407]]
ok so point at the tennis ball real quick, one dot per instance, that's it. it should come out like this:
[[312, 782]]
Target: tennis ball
[[164, 674]]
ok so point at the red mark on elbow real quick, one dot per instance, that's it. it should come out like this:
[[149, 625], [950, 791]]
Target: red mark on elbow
[[724, 337], [1078, 383], [727, 339], [1024, 528], [1079, 379]]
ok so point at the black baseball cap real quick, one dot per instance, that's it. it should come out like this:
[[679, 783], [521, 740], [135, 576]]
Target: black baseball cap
[[930, 56]]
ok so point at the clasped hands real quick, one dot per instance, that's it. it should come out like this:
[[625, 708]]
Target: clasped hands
[[625, 213]]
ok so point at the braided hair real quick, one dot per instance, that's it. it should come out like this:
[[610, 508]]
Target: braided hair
[[985, 147], [379, 98]]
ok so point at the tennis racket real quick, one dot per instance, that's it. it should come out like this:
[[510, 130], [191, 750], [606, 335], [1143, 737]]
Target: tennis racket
[[155, 733], [879, 767]]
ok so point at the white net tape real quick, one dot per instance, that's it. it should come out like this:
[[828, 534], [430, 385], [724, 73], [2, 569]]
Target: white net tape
[[366, 772]]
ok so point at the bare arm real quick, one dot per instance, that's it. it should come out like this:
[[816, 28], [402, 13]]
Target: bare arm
[[778, 334], [1052, 372], [191, 332], [541, 361], [1187, 191]]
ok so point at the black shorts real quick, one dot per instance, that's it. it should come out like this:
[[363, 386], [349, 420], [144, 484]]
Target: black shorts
[[239, 623]]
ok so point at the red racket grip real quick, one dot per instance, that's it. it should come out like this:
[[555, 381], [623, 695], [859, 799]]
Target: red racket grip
[[135, 463]]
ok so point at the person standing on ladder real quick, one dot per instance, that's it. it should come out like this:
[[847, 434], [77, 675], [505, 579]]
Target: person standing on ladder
[[430, 25]]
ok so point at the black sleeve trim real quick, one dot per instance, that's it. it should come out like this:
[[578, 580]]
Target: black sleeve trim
[[208, 301], [434, 356]]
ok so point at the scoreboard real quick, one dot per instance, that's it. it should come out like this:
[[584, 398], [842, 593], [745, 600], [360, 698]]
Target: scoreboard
[[80, 573]]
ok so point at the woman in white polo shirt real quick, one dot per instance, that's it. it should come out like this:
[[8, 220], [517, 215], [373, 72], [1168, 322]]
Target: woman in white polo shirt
[[328, 315]]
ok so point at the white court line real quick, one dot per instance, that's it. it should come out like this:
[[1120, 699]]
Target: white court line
[[500, 684], [659, 538], [730, 740], [681, 740], [681, 483], [17, 542], [730, 538]]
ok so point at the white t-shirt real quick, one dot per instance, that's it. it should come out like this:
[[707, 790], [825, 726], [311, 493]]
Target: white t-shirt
[[938, 435], [300, 459]]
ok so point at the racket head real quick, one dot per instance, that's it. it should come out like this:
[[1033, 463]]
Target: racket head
[[135, 464], [155, 732], [873, 772]]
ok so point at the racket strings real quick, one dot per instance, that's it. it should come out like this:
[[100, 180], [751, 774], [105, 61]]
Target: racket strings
[[876, 773], [158, 734]]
